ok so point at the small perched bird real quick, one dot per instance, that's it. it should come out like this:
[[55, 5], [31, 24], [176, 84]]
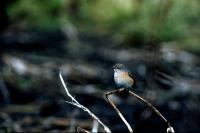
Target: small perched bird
[[122, 76]]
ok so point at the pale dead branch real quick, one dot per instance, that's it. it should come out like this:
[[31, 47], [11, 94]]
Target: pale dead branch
[[77, 104], [79, 129]]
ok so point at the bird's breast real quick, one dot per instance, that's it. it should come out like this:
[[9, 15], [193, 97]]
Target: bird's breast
[[123, 79]]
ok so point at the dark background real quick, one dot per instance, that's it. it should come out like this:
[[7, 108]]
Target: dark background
[[157, 40]]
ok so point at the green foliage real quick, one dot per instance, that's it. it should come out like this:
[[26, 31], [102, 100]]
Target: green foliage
[[145, 19], [38, 13]]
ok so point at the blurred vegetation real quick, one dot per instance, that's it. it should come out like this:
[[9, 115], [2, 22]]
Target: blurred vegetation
[[131, 22]]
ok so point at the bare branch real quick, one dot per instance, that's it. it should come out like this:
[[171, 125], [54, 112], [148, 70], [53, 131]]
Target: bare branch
[[170, 128], [77, 104], [79, 129], [117, 110]]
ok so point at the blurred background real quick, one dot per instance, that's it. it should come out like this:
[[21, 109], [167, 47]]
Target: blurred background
[[159, 41]]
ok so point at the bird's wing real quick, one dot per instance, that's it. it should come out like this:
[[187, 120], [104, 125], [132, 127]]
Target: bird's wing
[[132, 77]]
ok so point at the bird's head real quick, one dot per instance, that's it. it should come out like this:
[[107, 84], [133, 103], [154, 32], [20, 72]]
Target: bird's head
[[119, 67]]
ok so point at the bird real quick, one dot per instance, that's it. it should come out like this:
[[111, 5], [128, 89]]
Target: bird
[[123, 77]]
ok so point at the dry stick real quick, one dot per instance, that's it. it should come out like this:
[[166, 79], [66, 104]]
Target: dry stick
[[170, 128], [77, 104], [79, 129], [117, 110]]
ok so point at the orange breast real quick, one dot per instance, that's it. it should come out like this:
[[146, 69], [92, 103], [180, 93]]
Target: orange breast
[[126, 79]]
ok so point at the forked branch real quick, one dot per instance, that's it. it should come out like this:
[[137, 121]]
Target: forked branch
[[77, 104], [169, 129]]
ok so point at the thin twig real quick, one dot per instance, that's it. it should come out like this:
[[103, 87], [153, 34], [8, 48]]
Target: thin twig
[[170, 128], [77, 104], [117, 110], [79, 129]]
